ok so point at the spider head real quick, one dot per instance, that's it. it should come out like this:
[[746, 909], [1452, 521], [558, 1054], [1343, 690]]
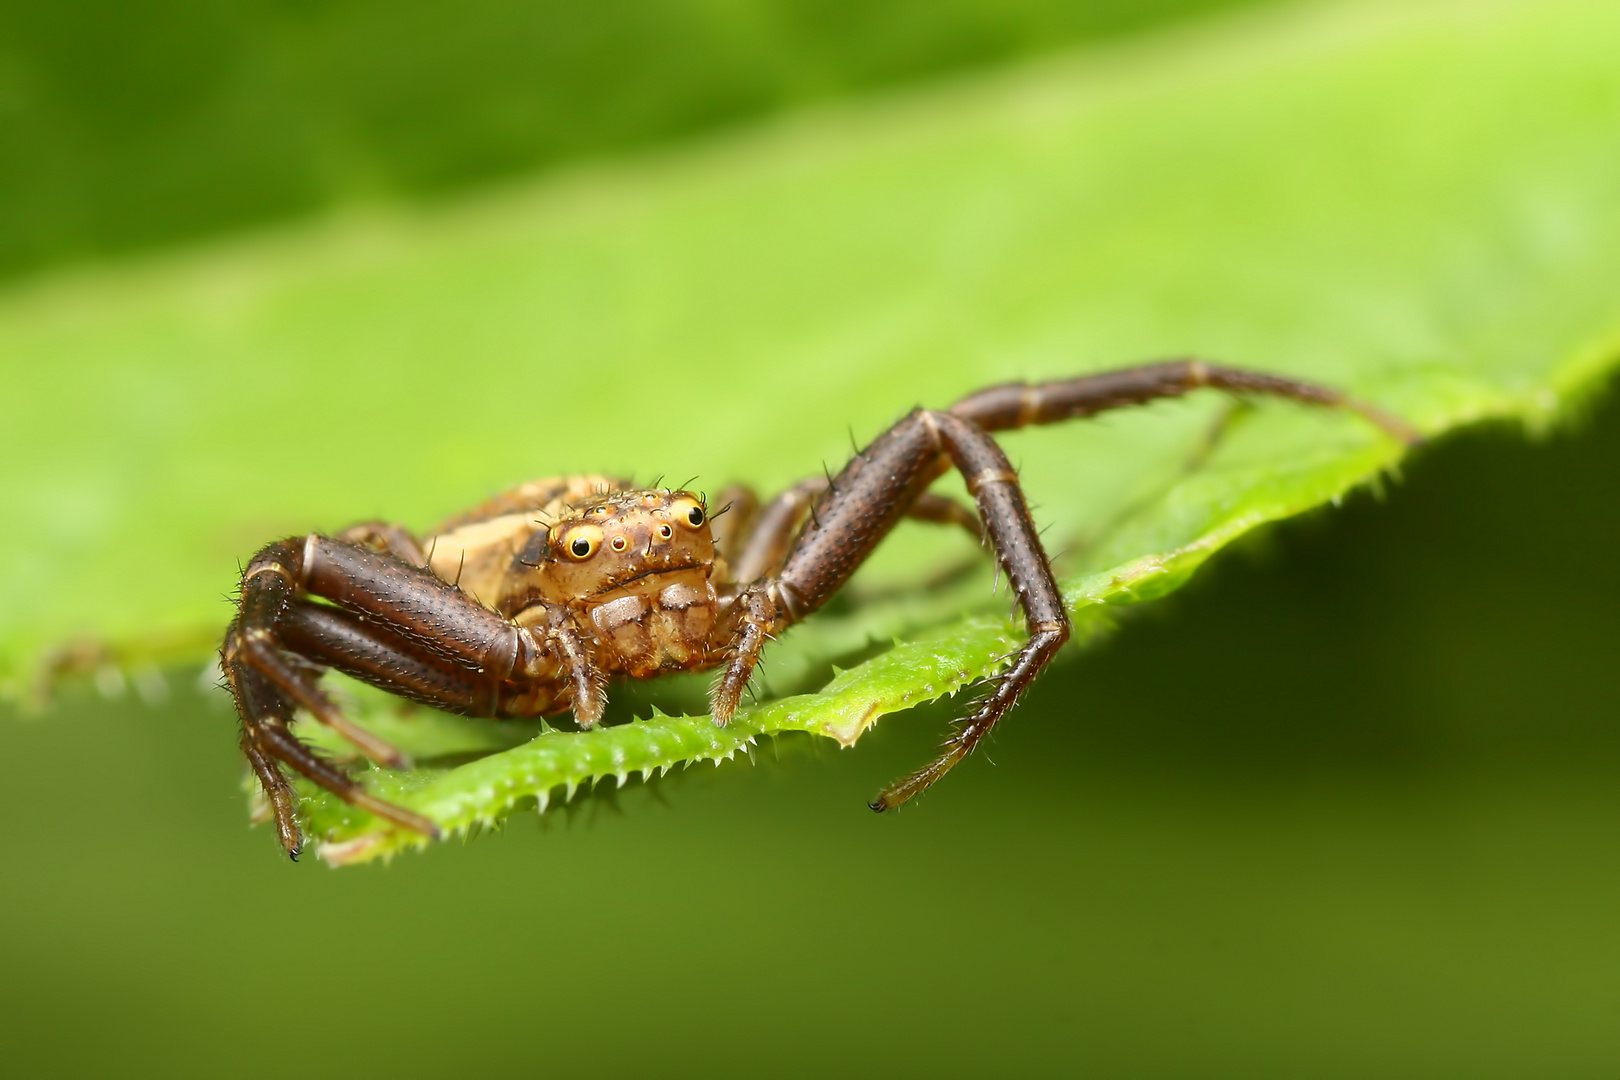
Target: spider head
[[636, 566], [627, 537]]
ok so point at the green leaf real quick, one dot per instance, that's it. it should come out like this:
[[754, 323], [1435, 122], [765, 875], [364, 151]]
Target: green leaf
[[1417, 203]]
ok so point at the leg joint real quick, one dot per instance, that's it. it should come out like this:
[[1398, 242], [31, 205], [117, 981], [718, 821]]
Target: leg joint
[[987, 476]]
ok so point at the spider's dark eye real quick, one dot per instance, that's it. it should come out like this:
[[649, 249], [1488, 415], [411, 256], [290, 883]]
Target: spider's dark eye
[[581, 541], [618, 543], [665, 531], [688, 509]]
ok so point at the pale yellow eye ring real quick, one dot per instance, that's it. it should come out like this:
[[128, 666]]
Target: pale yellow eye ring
[[665, 531], [581, 541], [689, 511], [618, 543]]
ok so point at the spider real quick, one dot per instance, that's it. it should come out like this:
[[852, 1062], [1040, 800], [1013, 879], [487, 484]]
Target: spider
[[527, 604]]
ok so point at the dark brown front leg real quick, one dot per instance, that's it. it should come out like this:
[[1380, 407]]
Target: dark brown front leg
[[268, 684], [863, 504], [873, 492], [889, 478], [1013, 536], [395, 625]]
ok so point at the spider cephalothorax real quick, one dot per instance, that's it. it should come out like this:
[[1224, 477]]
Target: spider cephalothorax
[[628, 569], [528, 604]]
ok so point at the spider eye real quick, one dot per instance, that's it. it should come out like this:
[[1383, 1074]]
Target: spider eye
[[665, 531], [581, 543], [688, 509], [618, 543]]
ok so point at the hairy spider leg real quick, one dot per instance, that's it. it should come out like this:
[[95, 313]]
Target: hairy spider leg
[[864, 502], [268, 683], [268, 587], [1020, 404], [388, 537], [732, 516], [256, 699], [771, 529], [395, 626], [993, 483], [774, 526]]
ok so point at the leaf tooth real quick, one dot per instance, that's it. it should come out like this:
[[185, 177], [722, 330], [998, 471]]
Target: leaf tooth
[[542, 800], [621, 776]]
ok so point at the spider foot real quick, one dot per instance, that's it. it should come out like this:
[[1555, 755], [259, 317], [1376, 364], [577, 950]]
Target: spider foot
[[902, 791], [758, 620]]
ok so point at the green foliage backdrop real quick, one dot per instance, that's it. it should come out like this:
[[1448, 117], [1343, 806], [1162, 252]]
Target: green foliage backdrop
[[124, 125], [1322, 813], [1360, 200]]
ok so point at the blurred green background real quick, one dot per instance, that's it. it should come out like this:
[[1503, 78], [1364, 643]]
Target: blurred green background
[[1345, 806], [127, 125]]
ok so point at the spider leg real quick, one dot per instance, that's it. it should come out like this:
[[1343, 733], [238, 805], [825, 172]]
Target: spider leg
[[387, 537], [394, 625], [888, 480], [873, 492], [266, 741], [283, 746], [732, 515], [265, 707], [268, 590], [944, 510], [764, 550], [1020, 404], [431, 620], [335, 638], [993, 483]]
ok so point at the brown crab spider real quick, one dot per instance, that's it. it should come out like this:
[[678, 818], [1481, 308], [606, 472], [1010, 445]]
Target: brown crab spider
[[526, 605]]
